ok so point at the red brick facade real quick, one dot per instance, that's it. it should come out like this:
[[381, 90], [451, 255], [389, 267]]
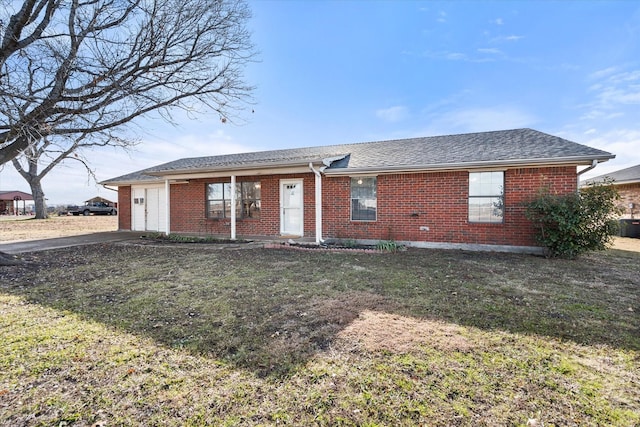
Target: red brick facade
[[629, 194], [188, 208], [437, 202], [124, 208]]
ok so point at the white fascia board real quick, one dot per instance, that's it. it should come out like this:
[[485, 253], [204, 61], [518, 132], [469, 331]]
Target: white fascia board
[[241, 168], [238, 172], [132, 182], [443, 167]]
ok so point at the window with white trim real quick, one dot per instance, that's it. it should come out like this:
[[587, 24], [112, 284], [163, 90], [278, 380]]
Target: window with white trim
[[486, 197], [364, 199], [248, 202]]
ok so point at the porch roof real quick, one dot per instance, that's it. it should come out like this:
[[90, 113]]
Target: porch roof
[[10, 195]]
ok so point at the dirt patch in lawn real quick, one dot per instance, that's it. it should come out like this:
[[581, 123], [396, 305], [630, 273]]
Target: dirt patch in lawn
[[21, 229], [378, 331]]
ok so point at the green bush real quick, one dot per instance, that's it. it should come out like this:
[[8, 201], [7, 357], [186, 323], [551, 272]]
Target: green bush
[[388, 246], [571, 224]]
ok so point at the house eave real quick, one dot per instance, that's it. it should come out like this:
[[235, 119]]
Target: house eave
[[441, 167], [615, 182], [221, 173], [628, 181], [125, 183], [252, 168]]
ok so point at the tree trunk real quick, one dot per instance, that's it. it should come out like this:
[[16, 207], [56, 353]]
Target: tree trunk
[[30, 174], [38, 198]]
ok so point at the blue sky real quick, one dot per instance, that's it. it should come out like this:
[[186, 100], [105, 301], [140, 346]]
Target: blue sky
[[332, 72]]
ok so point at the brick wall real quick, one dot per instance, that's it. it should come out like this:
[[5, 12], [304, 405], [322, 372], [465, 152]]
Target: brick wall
[[629, 193], [188, 208], [439, 201], [406, 202], [124, 208]]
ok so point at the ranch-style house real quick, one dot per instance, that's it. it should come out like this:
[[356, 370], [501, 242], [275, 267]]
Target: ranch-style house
[[455, 191]]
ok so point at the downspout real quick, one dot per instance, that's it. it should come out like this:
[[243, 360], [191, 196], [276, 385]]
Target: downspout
[[318, 186], [594, 163], [167, 208]]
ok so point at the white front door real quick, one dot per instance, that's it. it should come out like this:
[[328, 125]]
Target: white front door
[[148, 209], [291, 207], [138, 220], [152, 211]]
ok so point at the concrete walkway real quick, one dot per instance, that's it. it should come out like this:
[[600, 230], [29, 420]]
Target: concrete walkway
[[14, 248]]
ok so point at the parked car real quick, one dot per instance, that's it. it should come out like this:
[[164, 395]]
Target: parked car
[[67, 209], [96, 208]]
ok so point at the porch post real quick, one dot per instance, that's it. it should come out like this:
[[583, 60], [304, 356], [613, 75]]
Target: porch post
[[233, 207]]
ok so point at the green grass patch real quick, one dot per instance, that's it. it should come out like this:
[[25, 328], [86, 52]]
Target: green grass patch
[[122, 334]]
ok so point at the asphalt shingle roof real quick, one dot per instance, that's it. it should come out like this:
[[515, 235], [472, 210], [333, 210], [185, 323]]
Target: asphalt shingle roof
[[504, 147], [631, 174]]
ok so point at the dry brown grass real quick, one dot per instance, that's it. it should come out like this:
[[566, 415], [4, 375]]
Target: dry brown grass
[[26, 228], [626, 244], [148, 334]]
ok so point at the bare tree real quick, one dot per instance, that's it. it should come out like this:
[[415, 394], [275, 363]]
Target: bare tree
[[41, 156], [80, 70]]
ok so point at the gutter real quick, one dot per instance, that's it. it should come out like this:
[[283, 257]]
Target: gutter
[[107, 188], [318, 186], [594, 163], [468, 165]]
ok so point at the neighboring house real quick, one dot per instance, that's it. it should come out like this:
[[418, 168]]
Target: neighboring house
[[100, 200], [10, 202], [627, 182], [455, 191]]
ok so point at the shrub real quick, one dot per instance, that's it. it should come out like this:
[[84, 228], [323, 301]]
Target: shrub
[[571, 224], [388, 246]]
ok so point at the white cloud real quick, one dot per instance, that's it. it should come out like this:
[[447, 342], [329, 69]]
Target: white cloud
[[615, 93], [600, 74], [393, 114], [506, 39], [491, 51], [456, 56], [488, 56], [623, 143], [498, 21]]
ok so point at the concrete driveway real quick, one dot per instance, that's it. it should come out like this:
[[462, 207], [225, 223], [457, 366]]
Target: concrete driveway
[[14, 248]]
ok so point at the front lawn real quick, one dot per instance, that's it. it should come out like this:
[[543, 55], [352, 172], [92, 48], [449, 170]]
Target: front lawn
[[177, 335]]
